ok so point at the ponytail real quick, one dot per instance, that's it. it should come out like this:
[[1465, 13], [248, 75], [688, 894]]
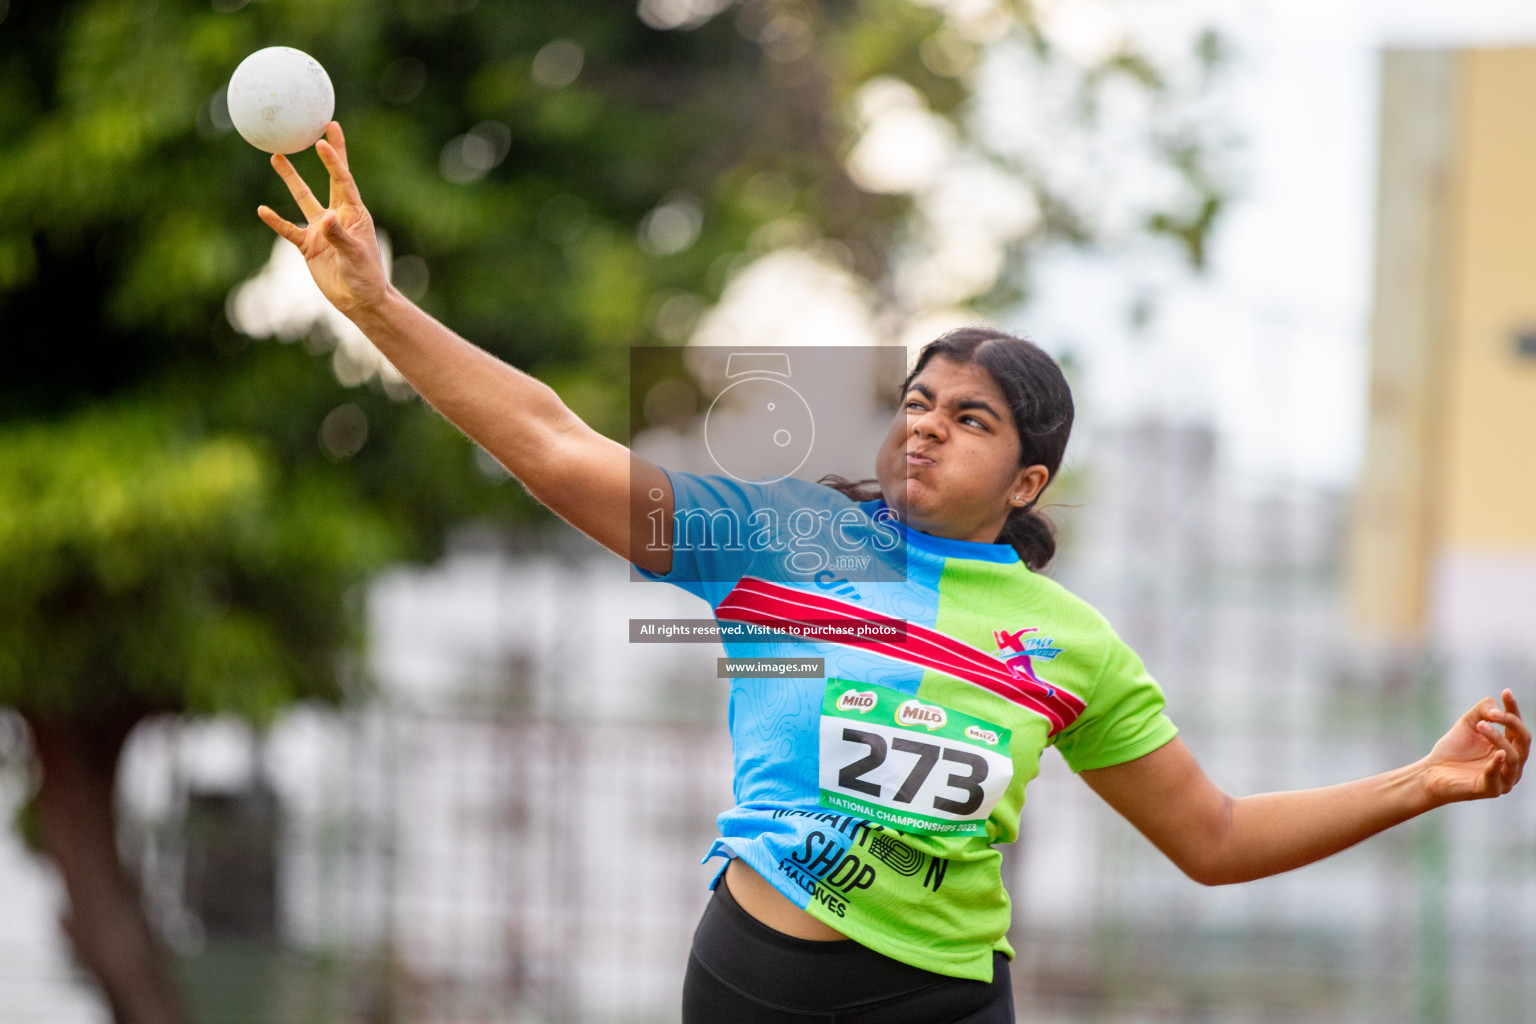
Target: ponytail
[[1032, 535]]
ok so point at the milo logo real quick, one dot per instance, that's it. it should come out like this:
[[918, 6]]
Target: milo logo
[[976, 732], [915, 712], [856, 700]]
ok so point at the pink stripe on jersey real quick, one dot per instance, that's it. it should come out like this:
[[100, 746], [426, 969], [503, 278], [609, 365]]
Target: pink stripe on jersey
[[763, 603]]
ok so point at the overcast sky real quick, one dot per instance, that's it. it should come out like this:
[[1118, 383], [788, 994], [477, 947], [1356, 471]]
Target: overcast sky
[[1271, 345]]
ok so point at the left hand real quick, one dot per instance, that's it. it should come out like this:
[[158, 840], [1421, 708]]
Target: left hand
[[1477, 758]]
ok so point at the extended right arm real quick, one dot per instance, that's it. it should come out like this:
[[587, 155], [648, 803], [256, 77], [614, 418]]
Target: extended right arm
[[583, 476], [587, 479]]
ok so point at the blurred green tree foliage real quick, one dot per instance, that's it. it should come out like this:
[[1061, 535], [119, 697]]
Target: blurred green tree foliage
[[182, 512]]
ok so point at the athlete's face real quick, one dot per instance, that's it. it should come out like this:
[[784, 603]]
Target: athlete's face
[[949, 465]]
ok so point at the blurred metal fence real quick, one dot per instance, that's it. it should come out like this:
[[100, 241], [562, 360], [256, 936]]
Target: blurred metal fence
[[503, 870], [1231, 593], [439, 866], [509, 831]]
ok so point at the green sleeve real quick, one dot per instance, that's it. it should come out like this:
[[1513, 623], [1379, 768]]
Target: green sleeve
[[1124, 718]]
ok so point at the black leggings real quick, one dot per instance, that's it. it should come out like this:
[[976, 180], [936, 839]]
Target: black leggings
[[743, 972]]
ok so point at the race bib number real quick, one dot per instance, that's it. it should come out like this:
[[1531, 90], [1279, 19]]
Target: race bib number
[[907, 763]]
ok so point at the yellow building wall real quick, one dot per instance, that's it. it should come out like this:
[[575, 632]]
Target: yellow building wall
[[1443, 535], [1488, 498], [1393, 532]]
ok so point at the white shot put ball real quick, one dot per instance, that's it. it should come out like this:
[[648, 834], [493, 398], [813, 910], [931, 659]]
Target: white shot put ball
[[280, 99]]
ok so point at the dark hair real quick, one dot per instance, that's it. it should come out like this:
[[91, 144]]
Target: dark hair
[[1036, 392]]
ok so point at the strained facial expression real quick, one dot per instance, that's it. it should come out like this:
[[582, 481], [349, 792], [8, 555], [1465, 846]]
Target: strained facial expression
[[949, 465]]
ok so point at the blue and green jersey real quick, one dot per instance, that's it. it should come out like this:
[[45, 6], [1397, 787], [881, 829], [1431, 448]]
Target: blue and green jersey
[[873, 796]]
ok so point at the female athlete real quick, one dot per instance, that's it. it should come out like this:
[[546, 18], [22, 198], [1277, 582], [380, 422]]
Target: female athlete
[[861, 879]]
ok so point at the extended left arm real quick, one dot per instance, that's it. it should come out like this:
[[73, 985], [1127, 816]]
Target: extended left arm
[[1217, 839]]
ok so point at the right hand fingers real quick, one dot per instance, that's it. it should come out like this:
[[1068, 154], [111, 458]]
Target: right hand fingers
[[330, 226], [343, 185], [308, 204], [337, 140], [292, 232], [339, 236]]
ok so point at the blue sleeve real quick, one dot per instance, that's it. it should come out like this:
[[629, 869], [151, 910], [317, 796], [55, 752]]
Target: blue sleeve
[[712, 524], [724, 529]]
